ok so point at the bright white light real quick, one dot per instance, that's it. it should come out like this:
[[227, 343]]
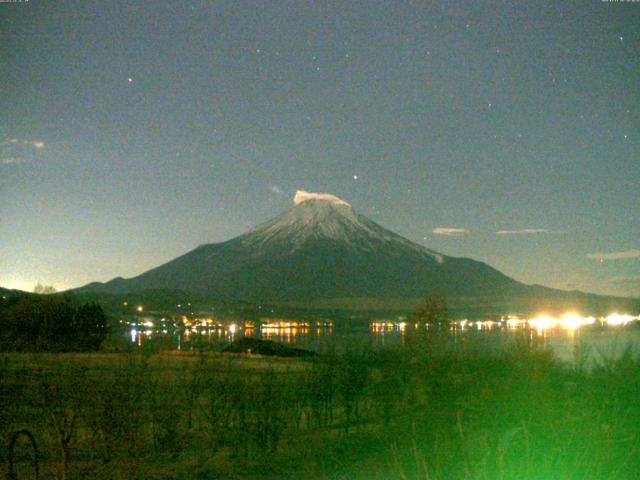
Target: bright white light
[[570, 321], [515, 322], [543, 322], [232, 328], [567, 321], [620, 319]]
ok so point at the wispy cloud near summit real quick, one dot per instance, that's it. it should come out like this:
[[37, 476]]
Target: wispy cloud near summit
[[303, 196]]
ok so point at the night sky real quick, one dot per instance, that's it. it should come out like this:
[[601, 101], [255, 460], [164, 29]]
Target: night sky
[[509, 132]]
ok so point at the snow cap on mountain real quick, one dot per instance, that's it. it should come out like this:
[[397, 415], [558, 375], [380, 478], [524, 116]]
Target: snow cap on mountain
[[303, 196]]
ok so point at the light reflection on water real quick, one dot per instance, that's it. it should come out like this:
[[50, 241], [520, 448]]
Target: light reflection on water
[[607, 337]]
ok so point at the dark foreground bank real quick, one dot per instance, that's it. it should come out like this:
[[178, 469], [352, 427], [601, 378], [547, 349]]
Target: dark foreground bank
[[410, 413]]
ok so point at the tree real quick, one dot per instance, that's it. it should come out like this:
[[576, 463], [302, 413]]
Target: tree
[[433, 310], [44, 289], [53, 323], [90, 326]]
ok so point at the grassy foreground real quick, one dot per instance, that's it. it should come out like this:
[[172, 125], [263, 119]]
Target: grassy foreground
[[410, 413]]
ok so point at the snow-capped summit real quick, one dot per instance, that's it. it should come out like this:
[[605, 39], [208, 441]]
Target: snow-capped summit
[[314, 216], [325, 217]]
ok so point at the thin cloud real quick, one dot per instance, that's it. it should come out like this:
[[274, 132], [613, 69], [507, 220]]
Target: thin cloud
[[39, 144], [526, 231], [452, 232], [12, 161], [601, 256], [14, 151], [624, 279]]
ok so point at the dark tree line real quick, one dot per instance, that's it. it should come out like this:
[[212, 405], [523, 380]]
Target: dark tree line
[[50, 323], [433, 310]]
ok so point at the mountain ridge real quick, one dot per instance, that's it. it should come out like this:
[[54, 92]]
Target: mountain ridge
[[318, 251]]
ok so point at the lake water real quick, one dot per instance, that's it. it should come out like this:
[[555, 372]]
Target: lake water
[[595, 339]]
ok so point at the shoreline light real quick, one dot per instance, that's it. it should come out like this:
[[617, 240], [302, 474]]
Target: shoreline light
[[619, 319]]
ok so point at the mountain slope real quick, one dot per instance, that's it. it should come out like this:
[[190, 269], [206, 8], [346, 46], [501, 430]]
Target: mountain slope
[[320, 250]]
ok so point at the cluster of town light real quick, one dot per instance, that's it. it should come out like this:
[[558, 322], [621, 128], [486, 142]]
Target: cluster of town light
[[569, 321], [270, 328], [290, 328]]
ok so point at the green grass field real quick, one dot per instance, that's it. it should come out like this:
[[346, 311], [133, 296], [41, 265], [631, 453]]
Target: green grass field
[[409, 414]]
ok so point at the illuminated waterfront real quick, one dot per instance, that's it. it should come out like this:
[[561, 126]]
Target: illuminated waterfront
[[603, 336]]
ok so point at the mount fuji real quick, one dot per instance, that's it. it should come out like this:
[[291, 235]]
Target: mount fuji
[[323, 254]]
